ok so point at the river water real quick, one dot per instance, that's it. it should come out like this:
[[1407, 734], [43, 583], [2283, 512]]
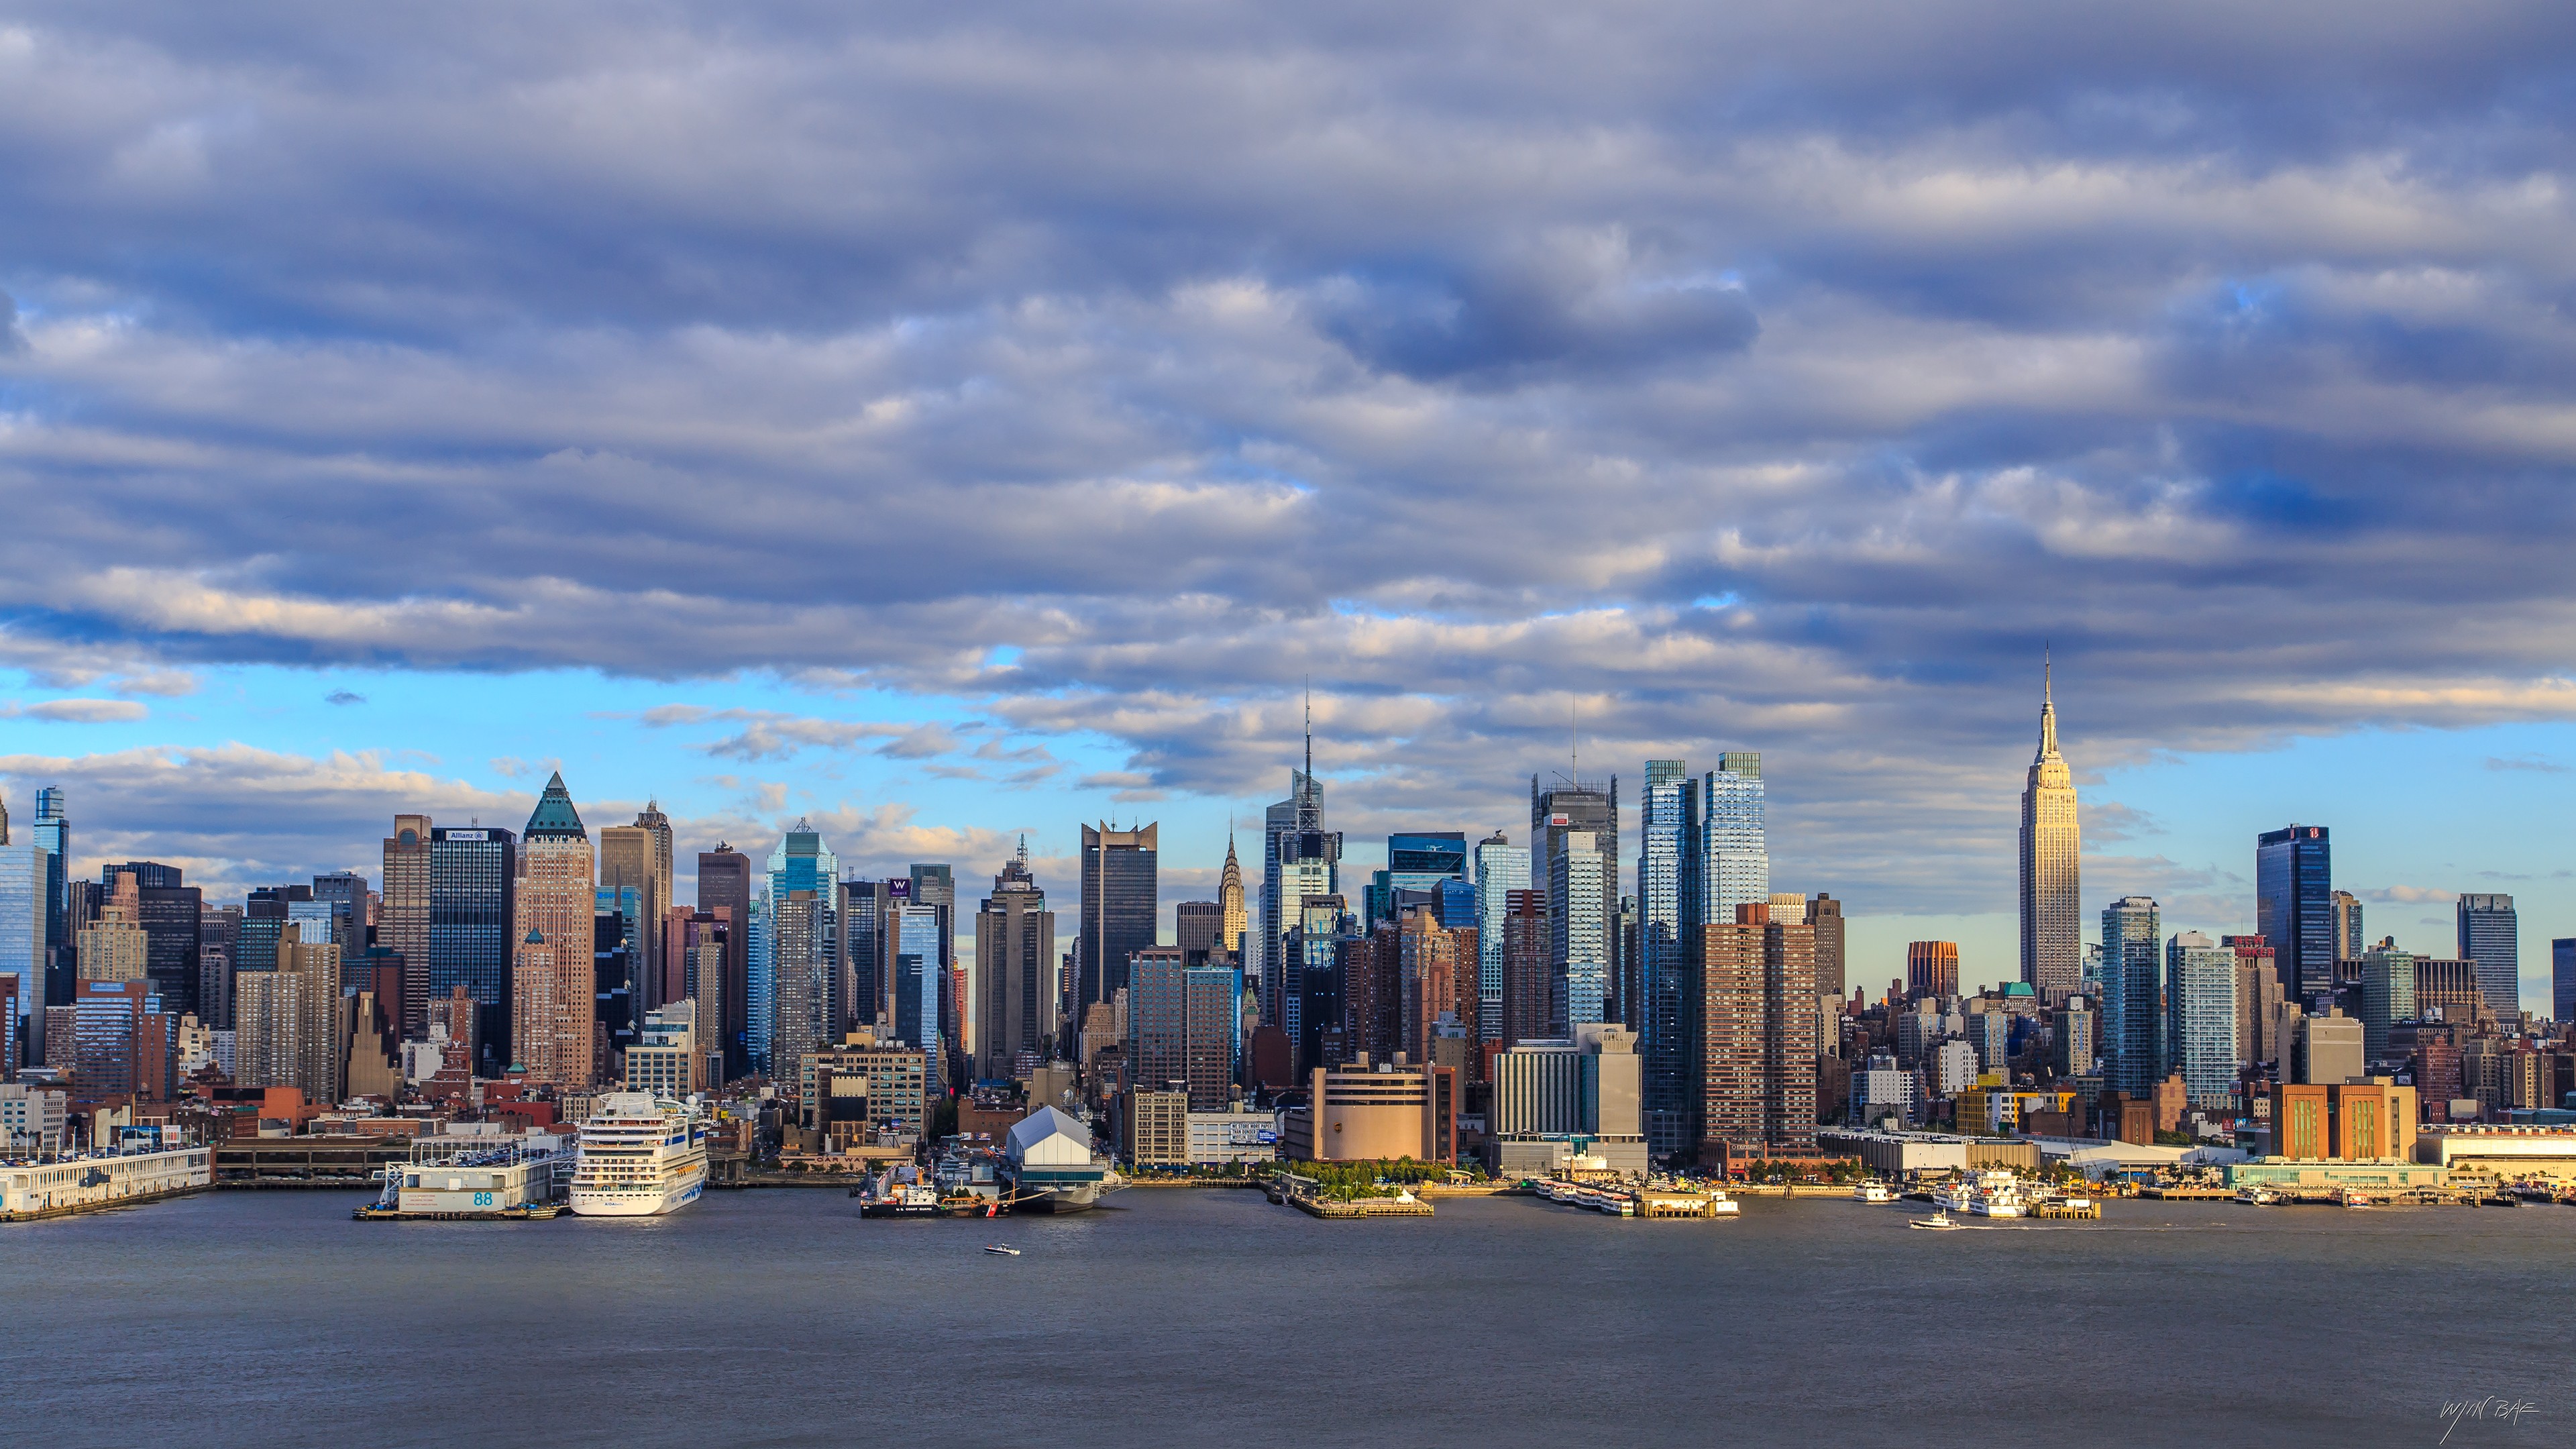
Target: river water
[[1214, 1318]]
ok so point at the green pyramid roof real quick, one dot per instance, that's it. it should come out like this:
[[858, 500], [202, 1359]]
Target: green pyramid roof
[[554, 817]]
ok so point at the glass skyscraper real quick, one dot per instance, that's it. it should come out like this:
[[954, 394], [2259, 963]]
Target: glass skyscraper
[[1120, 900], [473, 881], [1415, 861], [1735, 860], [25, 867], [2488, 931], [916, 984], [1668, 914], [1501, 868], [2132, 1024], [2294, 906]]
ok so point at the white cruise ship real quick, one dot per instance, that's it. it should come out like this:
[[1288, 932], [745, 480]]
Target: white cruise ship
[[640, 1155]]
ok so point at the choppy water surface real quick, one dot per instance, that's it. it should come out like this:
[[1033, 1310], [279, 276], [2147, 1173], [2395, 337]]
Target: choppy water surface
[[1211, 1317]]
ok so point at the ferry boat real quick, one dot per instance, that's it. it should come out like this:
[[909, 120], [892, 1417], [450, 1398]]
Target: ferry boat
[[137, 1173], [1872, 1192], [641, 1156], [468, 1173], [1938, 1223]]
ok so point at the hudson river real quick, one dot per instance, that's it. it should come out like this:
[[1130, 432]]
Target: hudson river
[[1211, 1318]]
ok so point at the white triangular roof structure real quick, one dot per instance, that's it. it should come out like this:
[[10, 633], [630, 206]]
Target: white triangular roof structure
[[1049, 1138]]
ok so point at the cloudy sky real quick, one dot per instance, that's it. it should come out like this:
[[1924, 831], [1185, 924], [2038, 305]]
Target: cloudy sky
[[951, 423]]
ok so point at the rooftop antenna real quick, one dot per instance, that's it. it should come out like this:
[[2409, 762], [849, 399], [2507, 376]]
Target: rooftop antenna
[[1310, 730]]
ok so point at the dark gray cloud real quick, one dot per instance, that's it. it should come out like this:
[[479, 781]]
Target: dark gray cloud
[[1769, 374]]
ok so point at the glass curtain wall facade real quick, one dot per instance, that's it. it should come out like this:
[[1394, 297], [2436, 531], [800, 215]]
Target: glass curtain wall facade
[[1668, 917], [1119, 902], [1501, 868], [2489, 934], [1735, 860], [2294, 906], [2132, 1021], [472, 884]]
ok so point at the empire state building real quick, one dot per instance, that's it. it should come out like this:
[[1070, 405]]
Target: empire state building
[[2052, 943]]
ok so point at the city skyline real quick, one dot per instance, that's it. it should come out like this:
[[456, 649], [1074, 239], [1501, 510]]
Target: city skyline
[[2407, 912]]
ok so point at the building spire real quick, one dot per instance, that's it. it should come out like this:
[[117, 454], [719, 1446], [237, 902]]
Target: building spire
[[2047, 704]]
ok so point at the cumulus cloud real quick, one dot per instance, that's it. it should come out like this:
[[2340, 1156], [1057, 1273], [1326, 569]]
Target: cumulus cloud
[[1769, 375]]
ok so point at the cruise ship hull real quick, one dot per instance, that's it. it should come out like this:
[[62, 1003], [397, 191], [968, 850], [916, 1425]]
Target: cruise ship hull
[[636, 1204]]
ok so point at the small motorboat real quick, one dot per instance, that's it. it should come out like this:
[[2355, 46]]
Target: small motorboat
[[1002, 1249], [1939, 1222]]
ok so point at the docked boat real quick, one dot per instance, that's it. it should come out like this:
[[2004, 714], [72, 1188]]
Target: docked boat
[[1872, 1192], [475, 1174], [2351, 1198], [2257, 1196], [640, 1156], [1050, 1167], [1722, 1206], [1939, 1222], [2001, 1201]]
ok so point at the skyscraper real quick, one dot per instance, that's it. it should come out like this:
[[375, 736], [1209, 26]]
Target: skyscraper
[[1182, 1027], [2132, 1042], [53, 831], [1757, 1017], [2489, 935], [1119, 904], [1571, 806], [915, 929], [473, 900], [1580, 925], [2294, 906], [552, 1024], [2200, 1017], [1735, 855], [867, 916], [2562, 979], [402, 920], [1826, 915], [1501, 868], [934, 884], [724, 885], [1197, 928], [1932, 968], [2052, 932], [1233, 921], [2350, 943], [627, 863], [802, 962], [1528, 1002], [1014, 969], [1668, 920], [25, 869], [1418, 861], [1299, 859]]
